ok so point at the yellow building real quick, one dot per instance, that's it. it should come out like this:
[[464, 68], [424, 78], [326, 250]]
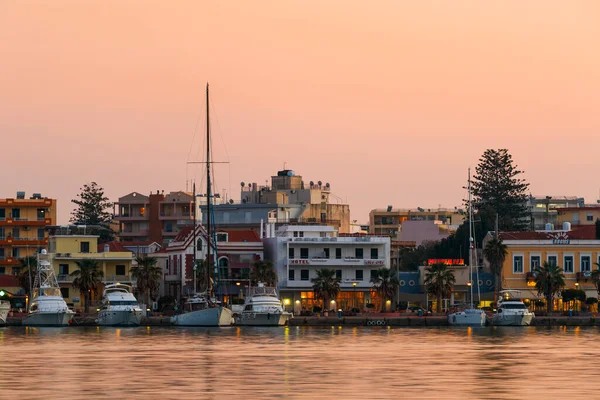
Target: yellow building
[[69, 245], [22, 233], [578, 215], [576, 251]]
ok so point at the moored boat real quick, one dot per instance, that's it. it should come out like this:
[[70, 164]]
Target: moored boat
[[263, 308], [511, 310], [199, 310], [119, 307], [4, 310]]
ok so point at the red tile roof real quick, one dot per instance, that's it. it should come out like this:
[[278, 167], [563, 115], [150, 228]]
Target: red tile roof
[[183, 234], [112, 246], [240, 236], [585, 232]]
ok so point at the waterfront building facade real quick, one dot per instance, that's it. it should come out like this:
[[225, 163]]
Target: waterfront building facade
[[71, 244], [298, 251], [545, 209], [576, 216], [22, 228], [388, 221], [576, 251], [154, 218]]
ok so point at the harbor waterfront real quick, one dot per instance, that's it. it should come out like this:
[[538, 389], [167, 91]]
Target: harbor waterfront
[[299, 362], [372, 320]]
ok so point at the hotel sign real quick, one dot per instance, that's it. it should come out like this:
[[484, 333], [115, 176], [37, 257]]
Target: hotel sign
[[561, 238], [374, 262], [304, 262]]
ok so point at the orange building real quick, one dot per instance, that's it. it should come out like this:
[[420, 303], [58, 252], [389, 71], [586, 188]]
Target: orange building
[[22, 228]]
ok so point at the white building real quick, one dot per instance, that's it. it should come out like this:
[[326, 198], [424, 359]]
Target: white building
[[298, 251]]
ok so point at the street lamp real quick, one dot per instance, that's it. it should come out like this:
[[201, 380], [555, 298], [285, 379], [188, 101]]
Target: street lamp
[[354, 295], [469, 285], [576, 299]]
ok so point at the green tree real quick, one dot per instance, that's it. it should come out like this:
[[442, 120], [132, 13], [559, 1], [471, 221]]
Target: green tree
[[549, 281], [87, 278], [92, 206], [326, 286], [498, 189], [439, 281], [596, 277], [495, 252], [25, 278], [385, 282], [147, 275], [262, 271]]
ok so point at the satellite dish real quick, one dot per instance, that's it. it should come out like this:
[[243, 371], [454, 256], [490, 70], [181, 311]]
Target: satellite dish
[[242, 184], [320, 183], [311, 183], [327, 184]]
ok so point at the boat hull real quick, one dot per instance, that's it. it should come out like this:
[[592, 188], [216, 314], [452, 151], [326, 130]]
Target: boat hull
[[263, 319], [4, 310], [49, 319], [216, 316], [524, 319], [465, 318], [120, 317]]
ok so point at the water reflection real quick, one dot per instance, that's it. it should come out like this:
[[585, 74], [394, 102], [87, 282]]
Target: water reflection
[[299, 362]]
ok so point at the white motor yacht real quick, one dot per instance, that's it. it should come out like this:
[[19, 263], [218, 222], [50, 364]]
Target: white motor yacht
[[4, 310], [263, 308], [511, 310], [119, 307], [199, 310], [47, 307]]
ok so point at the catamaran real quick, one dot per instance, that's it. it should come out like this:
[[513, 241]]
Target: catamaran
[[202, 309], [470, 315], [47, 308]]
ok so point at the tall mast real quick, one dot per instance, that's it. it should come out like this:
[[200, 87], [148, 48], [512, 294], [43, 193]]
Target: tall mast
[[194, 256], [209, 239], [471, 240]]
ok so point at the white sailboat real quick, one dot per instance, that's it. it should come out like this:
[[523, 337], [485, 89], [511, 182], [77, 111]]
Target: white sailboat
[[4, 310], [119, 307], [47, 307], [469, 316], [263, 308], [201, 309]]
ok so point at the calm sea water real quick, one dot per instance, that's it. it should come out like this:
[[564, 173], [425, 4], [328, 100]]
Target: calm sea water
[[299, 362]]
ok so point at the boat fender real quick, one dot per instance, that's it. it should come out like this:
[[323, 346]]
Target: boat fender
[[370, 323], [454, 318], [380, 323]]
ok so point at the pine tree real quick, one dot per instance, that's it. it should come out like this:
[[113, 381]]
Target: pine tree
[[498, 189], [92, 207]]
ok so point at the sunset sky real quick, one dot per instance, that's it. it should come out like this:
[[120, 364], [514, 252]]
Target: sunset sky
[[388, 101]]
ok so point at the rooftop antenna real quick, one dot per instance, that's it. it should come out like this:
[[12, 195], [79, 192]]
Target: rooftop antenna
[[284, 164]]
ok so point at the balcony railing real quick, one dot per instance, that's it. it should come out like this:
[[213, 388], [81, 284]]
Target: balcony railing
[[64, 278], [117, 278]]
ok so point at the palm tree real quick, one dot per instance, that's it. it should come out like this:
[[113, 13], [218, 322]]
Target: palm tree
[[87, 278], [549, 281], [439, 281], [596, 277], [495, 252], [326, 286], [386, 283], [263, 271], [28, 263], [147, 275]]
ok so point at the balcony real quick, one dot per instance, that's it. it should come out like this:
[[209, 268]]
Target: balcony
[[170, 233], [26, 203], [64, 278], [131, 217], [9, 261], [108, 279], [26, 222], [143, 232], [339, 262], [174, 215], [24, 241]]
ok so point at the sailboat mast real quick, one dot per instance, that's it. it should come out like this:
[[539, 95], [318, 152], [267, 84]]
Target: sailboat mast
[[471, 240], [194, 256], [208, 195]]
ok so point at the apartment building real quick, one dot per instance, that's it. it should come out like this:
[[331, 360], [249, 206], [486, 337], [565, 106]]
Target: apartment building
[[388, 221], [22, 228]]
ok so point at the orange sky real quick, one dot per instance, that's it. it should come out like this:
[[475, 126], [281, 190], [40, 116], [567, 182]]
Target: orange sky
[[389, 101]]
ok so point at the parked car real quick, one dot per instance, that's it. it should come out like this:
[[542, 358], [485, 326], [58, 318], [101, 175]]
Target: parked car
[[416, 309]]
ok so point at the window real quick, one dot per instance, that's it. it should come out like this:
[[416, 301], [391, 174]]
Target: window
[[222, 237], [291, 253], [338, 253], [84, 247], [120, 270], [16, 233], [374, 274], [40, 233], [16, 213], [358, 252], [301, 234], [41, 213], [303, 274], [535, 262], [2, 213], [64, 292], [568, 264], [63, 269], [248, 217], [586, 263], [199, 245], [291, 274], [553, 260], [168, 227], [295, 233], [304, 253], [374, 254], [338, 274], [16, 252], [590, 217], [326, 251], [2, 270], [518, 264], [1, 253], [359, 274], [322, 234]]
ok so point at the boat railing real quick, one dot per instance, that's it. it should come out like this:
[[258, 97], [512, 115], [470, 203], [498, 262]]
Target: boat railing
[[262, 291]]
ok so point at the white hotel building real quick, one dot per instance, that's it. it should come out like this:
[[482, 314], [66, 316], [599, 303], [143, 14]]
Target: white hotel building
[[299, 250]]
